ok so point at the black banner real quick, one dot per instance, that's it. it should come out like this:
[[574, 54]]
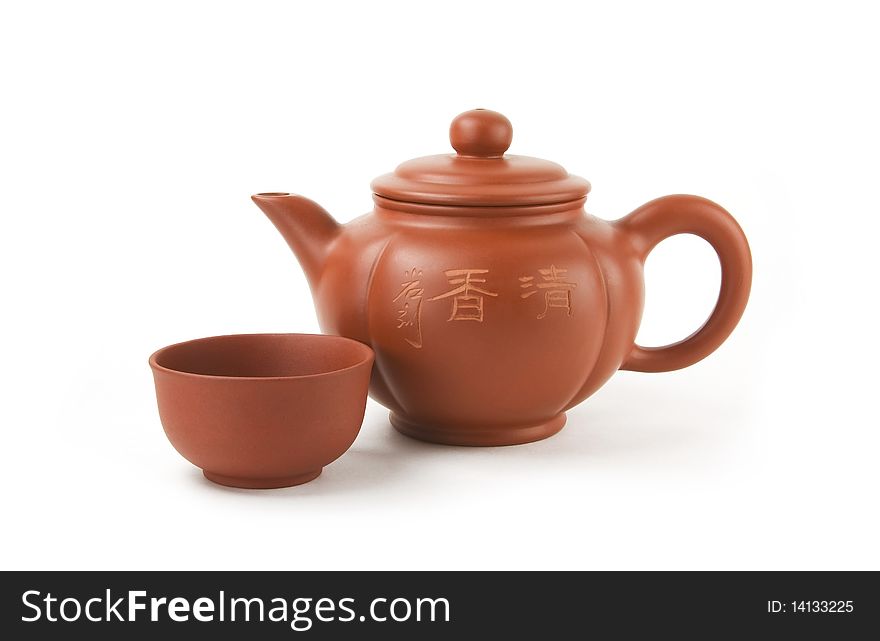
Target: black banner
[[407, 605]]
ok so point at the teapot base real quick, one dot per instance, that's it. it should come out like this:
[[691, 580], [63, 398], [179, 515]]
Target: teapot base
[[478, 436]]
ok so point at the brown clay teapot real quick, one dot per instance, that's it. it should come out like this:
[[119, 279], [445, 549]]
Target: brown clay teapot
[[492, 301]]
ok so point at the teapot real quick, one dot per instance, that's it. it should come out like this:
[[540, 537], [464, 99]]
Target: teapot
[[492, 300]]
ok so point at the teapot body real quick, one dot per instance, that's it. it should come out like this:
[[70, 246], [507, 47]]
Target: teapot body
[[485, 329]]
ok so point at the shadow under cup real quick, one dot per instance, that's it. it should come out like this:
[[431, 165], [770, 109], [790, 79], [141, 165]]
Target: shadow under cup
[[262, 410]]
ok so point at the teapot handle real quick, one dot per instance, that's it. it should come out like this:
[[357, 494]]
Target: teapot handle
[[681, 214]]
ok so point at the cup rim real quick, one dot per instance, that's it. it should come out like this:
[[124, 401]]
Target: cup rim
[[366, 352]]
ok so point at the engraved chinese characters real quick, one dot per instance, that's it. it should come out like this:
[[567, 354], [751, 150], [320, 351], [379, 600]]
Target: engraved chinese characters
[[557, 291], [469, 287], [409, 314], [467, 303]]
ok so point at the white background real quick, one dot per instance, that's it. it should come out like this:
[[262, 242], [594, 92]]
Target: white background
[[132, 135]]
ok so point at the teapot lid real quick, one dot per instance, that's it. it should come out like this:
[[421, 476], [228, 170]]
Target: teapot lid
[[480, 173]]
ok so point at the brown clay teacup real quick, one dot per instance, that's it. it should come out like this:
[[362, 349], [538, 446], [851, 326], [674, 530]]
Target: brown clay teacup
[[262, 410]]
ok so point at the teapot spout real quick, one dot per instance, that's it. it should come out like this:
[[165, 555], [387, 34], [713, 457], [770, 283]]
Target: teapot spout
[[306, 226]]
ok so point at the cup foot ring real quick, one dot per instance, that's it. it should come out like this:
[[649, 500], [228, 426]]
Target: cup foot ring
[[262, 483]]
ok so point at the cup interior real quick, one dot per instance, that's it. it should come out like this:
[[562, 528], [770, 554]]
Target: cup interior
[[263, 355]]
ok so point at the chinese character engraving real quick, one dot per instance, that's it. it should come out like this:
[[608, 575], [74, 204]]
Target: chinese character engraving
[[410, 312], [467, 296], [557, 290]]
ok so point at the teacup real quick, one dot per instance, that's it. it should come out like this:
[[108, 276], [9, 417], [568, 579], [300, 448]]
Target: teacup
[[262, 410]]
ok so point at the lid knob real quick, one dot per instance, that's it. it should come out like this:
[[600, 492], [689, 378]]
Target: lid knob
[[480, 133]]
